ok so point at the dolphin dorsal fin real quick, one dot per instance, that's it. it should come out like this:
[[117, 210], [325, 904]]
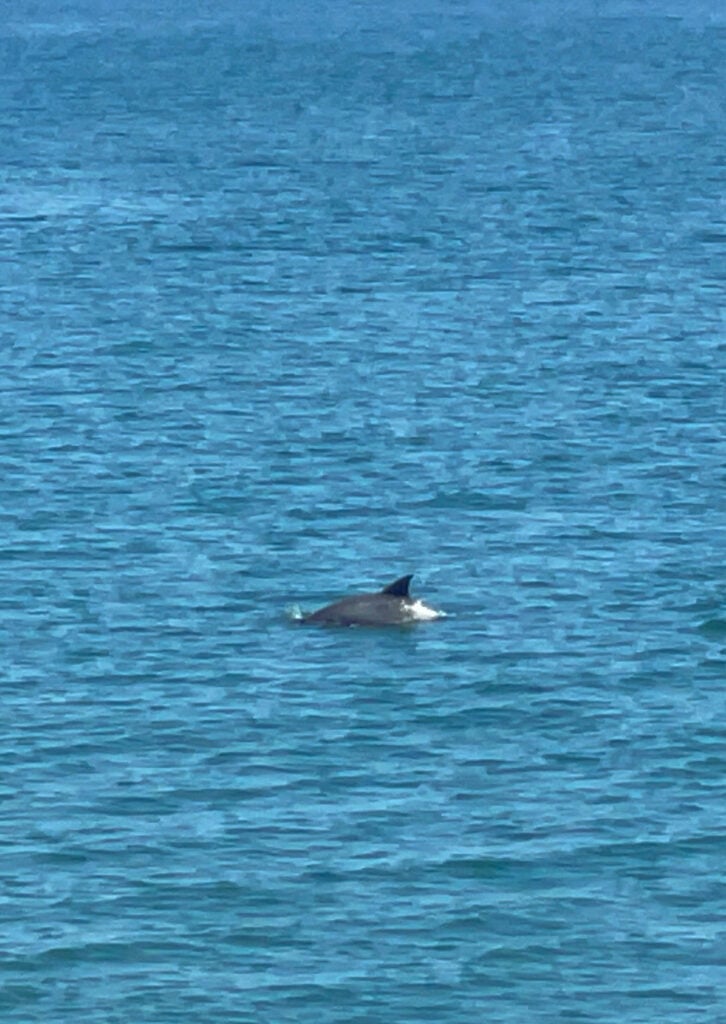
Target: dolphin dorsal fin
[[399, 588]]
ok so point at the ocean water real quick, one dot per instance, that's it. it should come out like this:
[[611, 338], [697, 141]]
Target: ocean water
[[296, 299]]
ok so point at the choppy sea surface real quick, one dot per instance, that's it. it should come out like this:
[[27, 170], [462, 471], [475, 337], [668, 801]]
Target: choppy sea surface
[[294, 300]]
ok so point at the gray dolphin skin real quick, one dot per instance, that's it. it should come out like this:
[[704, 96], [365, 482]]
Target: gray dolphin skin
[[391, 606]]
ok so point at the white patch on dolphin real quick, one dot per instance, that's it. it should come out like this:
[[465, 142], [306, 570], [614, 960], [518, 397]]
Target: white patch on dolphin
[[421, 612]]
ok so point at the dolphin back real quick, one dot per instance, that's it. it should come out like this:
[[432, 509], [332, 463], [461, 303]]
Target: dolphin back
[[391, 606]]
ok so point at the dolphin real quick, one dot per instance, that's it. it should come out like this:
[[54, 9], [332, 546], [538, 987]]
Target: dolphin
[[391, 606]]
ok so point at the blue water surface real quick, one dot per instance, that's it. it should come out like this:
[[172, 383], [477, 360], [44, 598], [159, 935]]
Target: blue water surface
[[296, 299]]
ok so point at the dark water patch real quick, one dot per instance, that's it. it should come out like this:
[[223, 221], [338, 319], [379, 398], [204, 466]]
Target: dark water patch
[[713, 627]]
